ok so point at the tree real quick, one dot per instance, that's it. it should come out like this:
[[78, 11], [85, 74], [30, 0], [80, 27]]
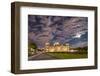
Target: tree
[[32, 48], [33, 45]]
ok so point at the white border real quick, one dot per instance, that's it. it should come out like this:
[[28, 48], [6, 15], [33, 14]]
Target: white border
[[25, 64]]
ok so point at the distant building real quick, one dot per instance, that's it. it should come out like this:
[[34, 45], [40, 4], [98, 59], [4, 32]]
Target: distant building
[[56, 47]]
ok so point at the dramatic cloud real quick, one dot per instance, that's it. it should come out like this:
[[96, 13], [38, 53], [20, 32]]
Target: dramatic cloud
[[63, 29]]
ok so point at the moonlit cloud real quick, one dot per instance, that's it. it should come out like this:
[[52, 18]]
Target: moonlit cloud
[[77, 35]]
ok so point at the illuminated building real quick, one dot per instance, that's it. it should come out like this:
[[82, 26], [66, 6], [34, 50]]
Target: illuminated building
[[56, 47]]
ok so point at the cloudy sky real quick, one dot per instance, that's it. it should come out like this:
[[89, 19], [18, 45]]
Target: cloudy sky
[[62, 29]]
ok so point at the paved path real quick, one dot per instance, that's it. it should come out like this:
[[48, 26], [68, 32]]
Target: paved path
[[41, 56]]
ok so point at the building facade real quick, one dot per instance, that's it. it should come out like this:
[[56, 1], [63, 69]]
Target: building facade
[[56, 47]]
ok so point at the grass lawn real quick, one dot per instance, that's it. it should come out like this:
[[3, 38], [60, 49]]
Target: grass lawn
[[59, 55]]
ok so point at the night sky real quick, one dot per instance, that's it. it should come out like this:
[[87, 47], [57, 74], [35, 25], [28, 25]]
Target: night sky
[[62, 29]]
